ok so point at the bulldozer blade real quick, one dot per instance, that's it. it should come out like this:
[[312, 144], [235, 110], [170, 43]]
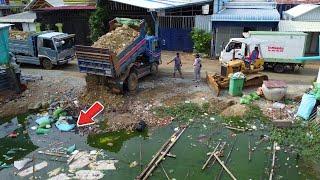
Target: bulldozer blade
[[213, 84], [255, 79]]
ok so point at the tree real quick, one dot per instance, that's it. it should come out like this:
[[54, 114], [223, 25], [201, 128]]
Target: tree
[[98, 21], [201, 40]]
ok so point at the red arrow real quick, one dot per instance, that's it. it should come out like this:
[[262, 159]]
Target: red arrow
[[86, 118]]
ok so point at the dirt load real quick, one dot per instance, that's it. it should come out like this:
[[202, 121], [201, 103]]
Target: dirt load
[[19, 35], [237, 110], [118, 39]]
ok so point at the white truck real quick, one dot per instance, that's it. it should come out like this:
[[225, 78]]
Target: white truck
[[280, 50]]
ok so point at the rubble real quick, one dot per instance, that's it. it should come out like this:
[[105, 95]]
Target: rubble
[[19, 35], [236, 110], [118, 39]]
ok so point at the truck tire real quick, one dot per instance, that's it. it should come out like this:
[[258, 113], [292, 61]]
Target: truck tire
[[154, 69], [279, 68], [132, 82], [46, 64]]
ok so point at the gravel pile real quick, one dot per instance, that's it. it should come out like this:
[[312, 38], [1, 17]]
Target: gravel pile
[[118, 39]]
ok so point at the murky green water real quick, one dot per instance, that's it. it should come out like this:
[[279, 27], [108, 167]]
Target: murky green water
[[191, 149], [12, 149]]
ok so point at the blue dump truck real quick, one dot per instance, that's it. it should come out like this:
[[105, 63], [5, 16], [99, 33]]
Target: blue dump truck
[[44, 48], [122, 70]]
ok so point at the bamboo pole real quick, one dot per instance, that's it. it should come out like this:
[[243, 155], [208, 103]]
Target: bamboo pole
[[273, 161], [161, 154], [210, 157], [164, 171], [237, 129], [220, 151], [249, 149], [228, 157], [224, 167]]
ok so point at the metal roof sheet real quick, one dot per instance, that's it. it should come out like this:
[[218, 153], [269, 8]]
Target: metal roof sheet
[[299, 26], [50, 35], [4, 25], [160, 4], [276, 33], [300, 10], [298, 1], [24, 17], [247, 15], [67, 8]]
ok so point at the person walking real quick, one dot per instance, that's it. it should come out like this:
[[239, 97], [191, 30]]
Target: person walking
[[177, 65], [197, 68]]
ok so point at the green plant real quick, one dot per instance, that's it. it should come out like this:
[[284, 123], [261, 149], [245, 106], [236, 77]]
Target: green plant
[[304, 138], [201, 40], [183, 111], [98, 22]]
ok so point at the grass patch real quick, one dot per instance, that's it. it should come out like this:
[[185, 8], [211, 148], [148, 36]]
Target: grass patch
[[254, 114], [183, 111], [304, 138]]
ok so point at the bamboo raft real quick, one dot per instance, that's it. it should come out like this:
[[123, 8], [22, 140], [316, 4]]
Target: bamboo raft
[[164, 151]]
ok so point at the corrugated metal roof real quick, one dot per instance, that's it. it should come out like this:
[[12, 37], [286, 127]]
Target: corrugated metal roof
[[300, 10], [299, 26], [247, 15], [24, 17], [298, 1], [276, 33], [56, 3], [4, 25], [50, 35], [68, 8], [163, 4]]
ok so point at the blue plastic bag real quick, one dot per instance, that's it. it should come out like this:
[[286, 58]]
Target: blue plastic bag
[[307, 104]]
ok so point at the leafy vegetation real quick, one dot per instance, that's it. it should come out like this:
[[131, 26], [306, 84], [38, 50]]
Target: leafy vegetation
[[304, 138], [183, 111], [254, 114], [98, 22], [201, 40]]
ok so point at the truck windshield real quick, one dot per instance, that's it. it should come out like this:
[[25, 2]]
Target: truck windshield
[[63, 44]]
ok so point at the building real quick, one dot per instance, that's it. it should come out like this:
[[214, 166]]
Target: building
[[304, 18], [233, 18], [284, 5], [171, 20], [24, 21]]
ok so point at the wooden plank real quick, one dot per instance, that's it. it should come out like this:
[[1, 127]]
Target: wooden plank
[[228, 157], [273, 161]]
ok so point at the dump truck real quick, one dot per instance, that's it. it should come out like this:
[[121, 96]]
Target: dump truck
[[121, 68], [280, 50], [45, 48]]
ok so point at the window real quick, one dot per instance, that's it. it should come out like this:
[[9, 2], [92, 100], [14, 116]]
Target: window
[[48, 44]]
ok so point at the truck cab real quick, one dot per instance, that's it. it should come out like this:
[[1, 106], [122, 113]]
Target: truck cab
[[56, 47]]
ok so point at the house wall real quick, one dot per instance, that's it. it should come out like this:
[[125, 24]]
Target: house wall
[[313, 15], [28, 27]]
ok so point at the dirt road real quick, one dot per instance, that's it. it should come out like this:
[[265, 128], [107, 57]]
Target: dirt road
[[126, 109]]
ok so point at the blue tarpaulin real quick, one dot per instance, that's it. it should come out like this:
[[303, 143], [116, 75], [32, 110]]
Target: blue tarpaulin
[[4, 43]]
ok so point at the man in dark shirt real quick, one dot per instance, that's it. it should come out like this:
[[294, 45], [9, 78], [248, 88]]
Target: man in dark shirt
[[177, 65]]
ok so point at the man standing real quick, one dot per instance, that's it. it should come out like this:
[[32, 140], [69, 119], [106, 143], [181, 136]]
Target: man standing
[[197, 68], [177, 65]]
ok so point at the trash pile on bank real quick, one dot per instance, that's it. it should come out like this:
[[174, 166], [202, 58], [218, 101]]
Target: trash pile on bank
[[80, 164], [118, 39], [19, 35]]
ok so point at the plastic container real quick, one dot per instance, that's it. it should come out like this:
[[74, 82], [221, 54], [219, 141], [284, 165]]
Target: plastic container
[[236, 86]]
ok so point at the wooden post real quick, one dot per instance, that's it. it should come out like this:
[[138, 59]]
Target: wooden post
[[228, 157], [249, 148], [33, 167], [224, 167], [164, 171]]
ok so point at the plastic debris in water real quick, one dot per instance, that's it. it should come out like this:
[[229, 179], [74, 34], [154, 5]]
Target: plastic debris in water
[[204, 126], [176, 129], [133, 164], [212, 119]]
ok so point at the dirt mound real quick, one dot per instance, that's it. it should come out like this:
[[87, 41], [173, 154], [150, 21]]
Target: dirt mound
[[19, 35], [237, 110], [118, 39]]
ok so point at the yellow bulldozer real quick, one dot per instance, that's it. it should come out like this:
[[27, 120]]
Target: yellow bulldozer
[[233, 59]]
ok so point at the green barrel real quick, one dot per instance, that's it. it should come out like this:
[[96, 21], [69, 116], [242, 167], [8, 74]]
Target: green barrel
[[236, 86]]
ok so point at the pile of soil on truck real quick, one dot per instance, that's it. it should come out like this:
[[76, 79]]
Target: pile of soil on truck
[[19, 35], [118, 39]]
